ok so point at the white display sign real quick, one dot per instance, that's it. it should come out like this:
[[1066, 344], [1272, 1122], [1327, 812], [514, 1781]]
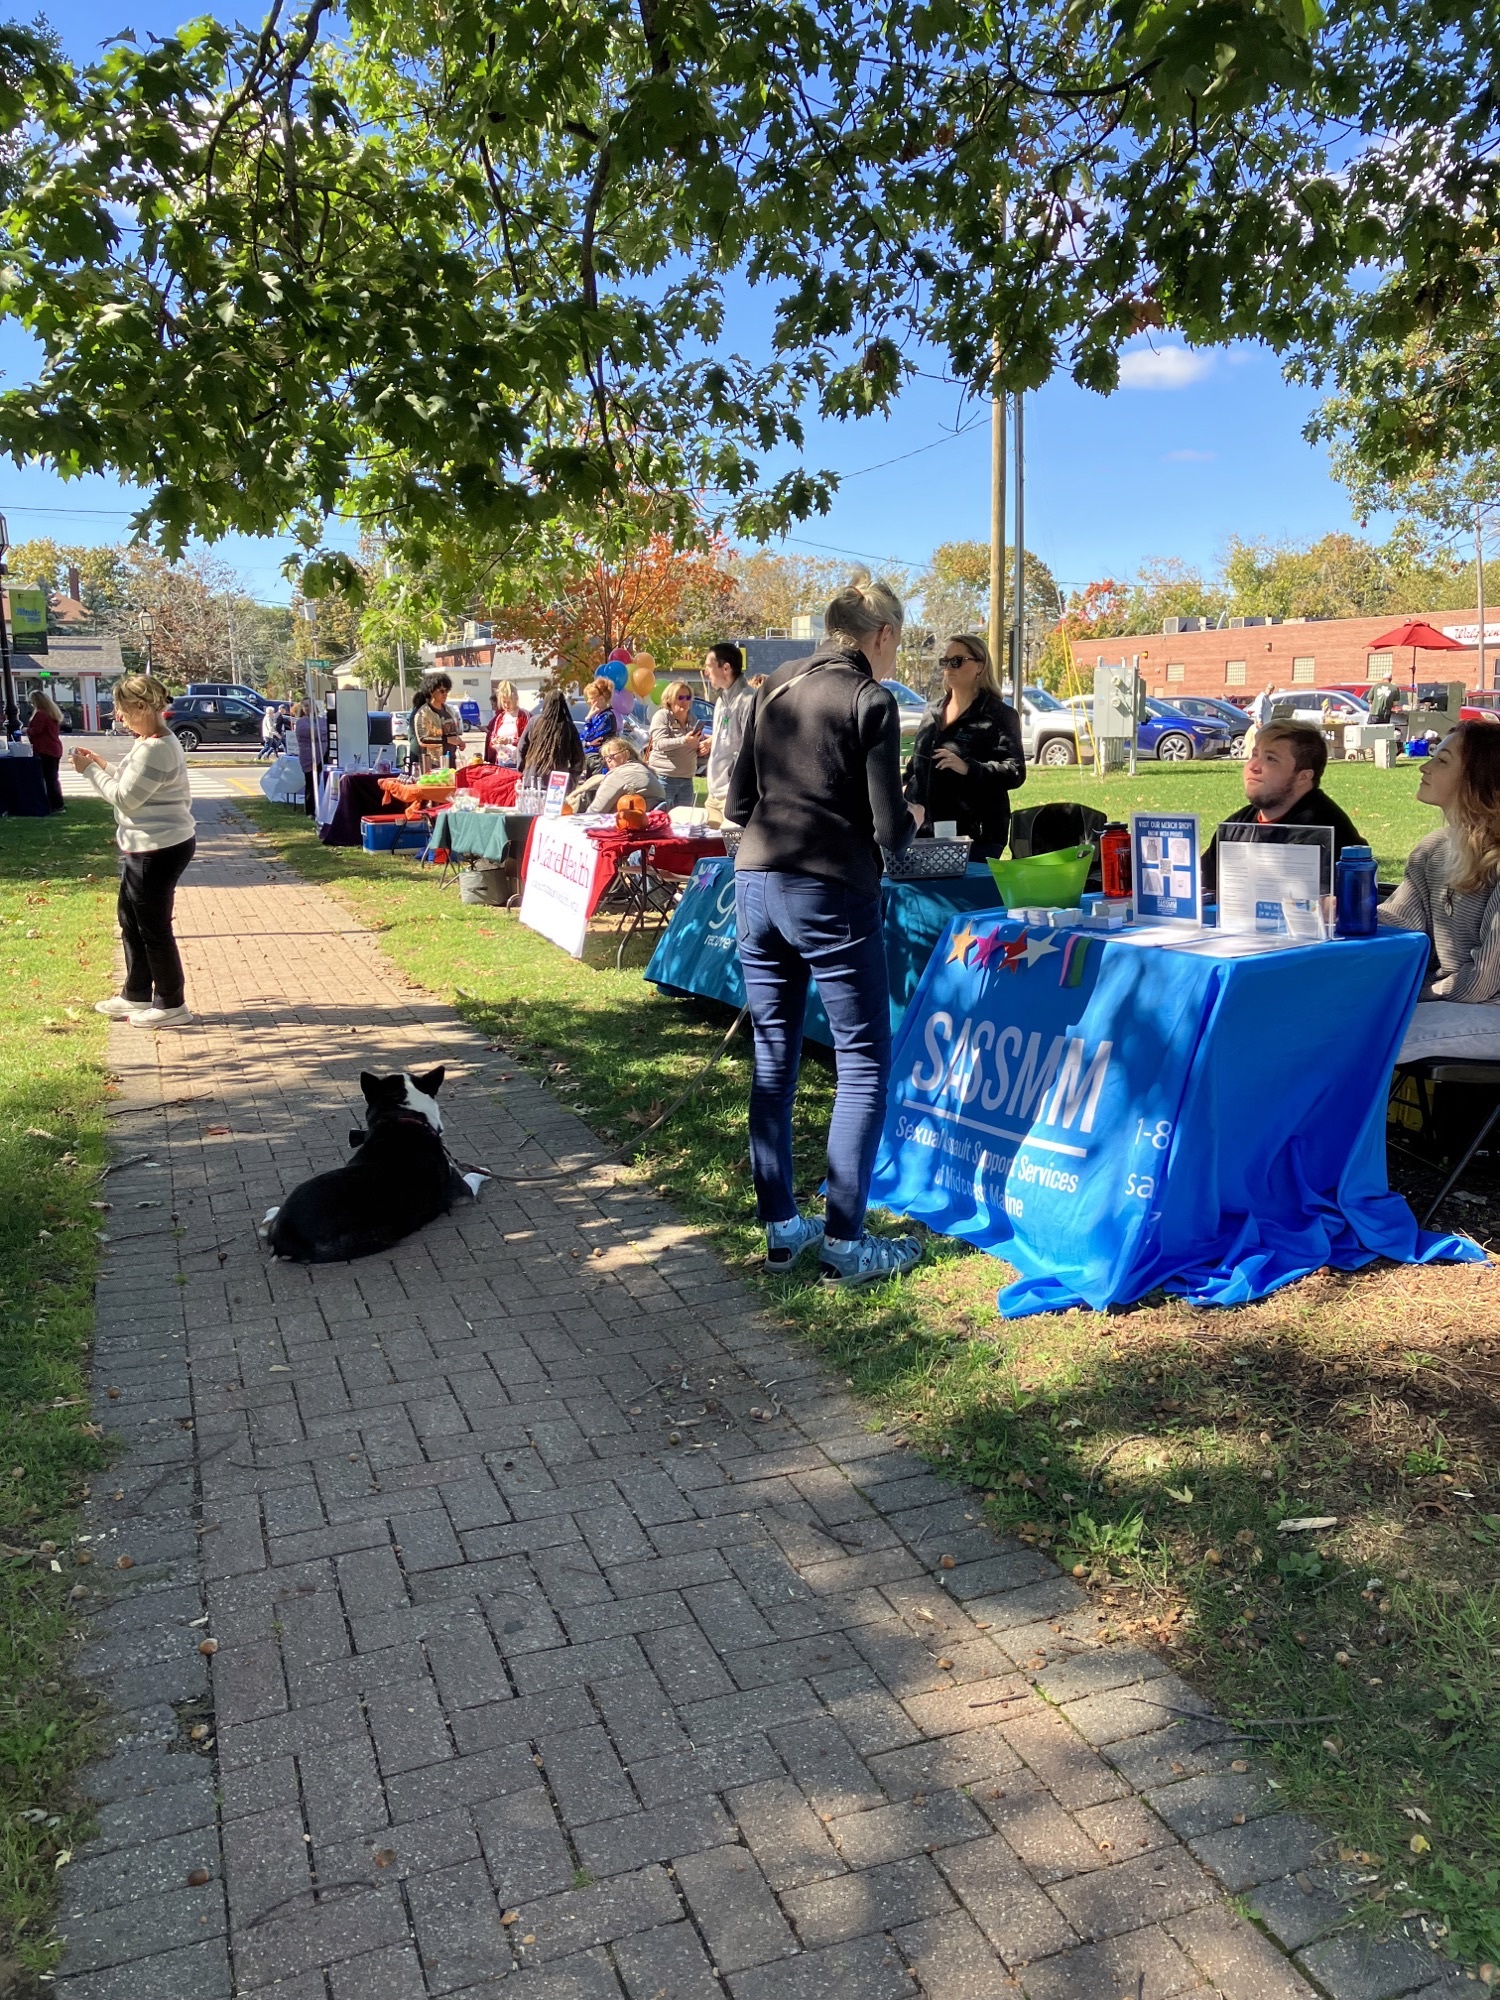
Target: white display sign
[[560, 878], [1468, 635], [1164, 868], [1271, 889]]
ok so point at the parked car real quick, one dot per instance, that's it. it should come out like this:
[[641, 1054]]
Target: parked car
[[1323, 707], [1209, 708], [1171, 736], [1050, 730], [235, 689], [196, 719], [911, 705]]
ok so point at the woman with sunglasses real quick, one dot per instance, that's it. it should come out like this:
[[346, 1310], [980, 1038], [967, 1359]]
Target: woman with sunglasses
[[675, 744], [968, 759]]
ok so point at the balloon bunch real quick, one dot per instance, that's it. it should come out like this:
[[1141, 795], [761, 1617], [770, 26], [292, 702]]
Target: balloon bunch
[[631, 676]]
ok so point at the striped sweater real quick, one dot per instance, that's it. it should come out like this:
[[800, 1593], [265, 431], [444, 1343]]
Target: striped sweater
[[1464, 930]]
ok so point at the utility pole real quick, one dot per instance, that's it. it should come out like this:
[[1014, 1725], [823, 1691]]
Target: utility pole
[[997, 514], [1018, 658], [7, 680]]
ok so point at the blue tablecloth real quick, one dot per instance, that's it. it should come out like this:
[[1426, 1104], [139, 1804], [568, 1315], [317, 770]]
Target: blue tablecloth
[[698, 954], [1111, 1117]]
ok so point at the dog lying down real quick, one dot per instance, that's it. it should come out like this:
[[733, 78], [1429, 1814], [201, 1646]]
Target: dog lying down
[[399, 1179]]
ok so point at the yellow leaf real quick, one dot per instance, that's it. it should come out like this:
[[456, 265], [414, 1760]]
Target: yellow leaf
[[1419, 1843]]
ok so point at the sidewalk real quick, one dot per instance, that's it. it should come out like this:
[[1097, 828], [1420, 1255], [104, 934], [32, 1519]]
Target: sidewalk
[[574, 1629]]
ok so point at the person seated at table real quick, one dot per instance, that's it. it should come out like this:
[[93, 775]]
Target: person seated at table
[[502, 740], [968, 757], [551, 743], [436, 728], [1284, 784], [623, 774], [600, 724], [1451, 891]]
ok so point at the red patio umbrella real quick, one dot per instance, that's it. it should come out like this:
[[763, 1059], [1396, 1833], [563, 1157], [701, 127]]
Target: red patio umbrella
[[1422, 638]]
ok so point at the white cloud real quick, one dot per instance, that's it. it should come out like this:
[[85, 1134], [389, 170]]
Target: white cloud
[[1162, 368], [1191, 457]]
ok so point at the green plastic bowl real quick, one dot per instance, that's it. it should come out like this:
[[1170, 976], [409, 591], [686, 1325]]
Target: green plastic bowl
[[1048, 881]]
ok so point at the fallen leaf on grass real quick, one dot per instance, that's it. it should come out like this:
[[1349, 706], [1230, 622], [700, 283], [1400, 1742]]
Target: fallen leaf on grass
[[1307, 1524]]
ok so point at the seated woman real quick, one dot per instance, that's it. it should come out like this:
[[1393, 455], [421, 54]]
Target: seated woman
[[968, 759], [1451, 891], [623, 774], [600, 724]]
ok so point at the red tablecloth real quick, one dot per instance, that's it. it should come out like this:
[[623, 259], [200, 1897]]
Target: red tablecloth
[[491, 784], [676, 857]]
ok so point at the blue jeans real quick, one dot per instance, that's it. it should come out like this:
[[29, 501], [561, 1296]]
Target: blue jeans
[[792, 929], [678, 791]]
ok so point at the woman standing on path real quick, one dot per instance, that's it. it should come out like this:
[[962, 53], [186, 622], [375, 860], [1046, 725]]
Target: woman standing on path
[[817, 789], [45, 733], [675, 743], [303, 724], [154, 831]]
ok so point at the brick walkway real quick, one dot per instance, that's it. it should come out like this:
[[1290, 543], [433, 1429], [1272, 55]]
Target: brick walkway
[[575, 1630]]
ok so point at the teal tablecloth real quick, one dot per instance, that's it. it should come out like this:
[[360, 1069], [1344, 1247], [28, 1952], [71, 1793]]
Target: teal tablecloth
[[483, 836]]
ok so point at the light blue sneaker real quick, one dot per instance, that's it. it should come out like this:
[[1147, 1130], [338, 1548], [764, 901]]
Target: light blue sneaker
[[867, 1262], [786, 1241]]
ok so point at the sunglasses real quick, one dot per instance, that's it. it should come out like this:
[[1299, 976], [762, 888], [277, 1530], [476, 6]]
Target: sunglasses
[[958, 660]]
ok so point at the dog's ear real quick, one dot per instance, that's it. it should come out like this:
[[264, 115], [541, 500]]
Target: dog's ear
[[430, 1084], [380, 1089]]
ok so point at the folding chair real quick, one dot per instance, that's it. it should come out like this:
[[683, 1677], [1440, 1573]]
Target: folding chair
[[653, 894], [1448, 1069]]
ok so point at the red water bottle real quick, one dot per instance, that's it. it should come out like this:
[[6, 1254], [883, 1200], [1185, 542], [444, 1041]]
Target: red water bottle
[[1114, 861]]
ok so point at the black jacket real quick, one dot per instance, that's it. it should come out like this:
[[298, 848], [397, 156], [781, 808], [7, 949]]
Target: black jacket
[[988, 737], [817, 785], [1316, 809]]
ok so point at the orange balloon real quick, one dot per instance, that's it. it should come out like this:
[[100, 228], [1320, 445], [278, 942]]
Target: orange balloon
[[646, 661], [642, 680]]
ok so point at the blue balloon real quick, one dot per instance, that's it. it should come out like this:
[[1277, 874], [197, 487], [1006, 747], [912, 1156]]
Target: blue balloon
[[615, 672]]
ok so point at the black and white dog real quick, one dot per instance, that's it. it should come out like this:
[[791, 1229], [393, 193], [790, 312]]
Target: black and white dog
[[399, 1179]]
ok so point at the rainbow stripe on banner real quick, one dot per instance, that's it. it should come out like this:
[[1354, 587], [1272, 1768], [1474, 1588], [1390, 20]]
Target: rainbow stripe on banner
[[1075, 960]]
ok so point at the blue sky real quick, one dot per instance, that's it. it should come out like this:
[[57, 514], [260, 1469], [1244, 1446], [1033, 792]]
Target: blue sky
[[1193, 448]]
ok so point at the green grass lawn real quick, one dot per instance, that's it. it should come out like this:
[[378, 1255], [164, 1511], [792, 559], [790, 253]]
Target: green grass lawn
[[1382, 804], [1153, 1450], [57, 943]]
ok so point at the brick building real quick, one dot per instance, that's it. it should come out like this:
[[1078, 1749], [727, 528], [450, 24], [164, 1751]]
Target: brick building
[[1245, 654]]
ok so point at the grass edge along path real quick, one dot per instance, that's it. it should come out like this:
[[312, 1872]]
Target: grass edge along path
[[1154, 1451], [57, 889]]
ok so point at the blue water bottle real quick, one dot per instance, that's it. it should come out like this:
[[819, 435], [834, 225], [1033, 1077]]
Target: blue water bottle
[[1354, 891]]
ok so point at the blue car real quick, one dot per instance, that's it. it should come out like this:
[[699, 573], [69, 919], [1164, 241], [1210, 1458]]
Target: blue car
[[1209, 708], [1172, 737]]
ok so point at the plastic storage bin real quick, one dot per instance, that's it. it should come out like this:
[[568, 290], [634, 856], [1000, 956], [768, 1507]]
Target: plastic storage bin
[[384, 833]]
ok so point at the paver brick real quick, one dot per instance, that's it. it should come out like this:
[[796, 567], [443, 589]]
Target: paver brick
[[784, 1834], [1001, 1897], [915, 1826], [579, 1919], [1263, 1850], [868, 1899], [587, 1778], [866, 1968], [458, 1926], [607, 1847], [1113, 1970], [734, 1908], [1241, 1963], [1143, 1891], [1356, 1966], [667, 1964]]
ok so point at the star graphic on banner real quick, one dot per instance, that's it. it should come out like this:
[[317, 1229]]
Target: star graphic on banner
[[989, 948], [1038, 947], [958, 949]]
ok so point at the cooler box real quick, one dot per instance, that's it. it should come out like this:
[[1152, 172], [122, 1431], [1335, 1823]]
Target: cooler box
[[383, 833]]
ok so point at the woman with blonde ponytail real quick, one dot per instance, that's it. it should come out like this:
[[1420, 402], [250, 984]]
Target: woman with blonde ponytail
[[1451, 889]]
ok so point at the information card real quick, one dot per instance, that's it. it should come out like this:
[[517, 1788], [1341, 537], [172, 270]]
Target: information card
[[1166, 883]]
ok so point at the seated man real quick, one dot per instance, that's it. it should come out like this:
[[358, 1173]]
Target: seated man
[[1283, 780], [623, 774]]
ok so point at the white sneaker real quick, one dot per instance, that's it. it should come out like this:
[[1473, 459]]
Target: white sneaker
[[116, 1008], [160, 1017]]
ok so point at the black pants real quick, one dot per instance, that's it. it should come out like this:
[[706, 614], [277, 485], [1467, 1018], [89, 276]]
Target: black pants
[[148, 885], [308, 801], [52, 781]]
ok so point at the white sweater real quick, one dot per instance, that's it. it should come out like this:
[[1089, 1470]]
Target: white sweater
[[1464, 930], [150, 793]]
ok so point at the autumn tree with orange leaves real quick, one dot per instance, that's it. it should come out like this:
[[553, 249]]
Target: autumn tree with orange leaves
[[653, 597]]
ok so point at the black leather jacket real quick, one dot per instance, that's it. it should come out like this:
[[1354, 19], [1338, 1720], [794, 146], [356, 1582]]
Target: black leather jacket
[[988, 737]]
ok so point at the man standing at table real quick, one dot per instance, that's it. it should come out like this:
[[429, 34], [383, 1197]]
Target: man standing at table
[[1284, 784], [724, 670]]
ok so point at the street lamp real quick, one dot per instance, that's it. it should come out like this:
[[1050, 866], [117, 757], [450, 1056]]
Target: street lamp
[[147, 624], [7, 679]]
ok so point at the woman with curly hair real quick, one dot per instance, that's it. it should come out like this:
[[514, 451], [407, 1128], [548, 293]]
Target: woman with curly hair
[[1451, 888], [436, 729]]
